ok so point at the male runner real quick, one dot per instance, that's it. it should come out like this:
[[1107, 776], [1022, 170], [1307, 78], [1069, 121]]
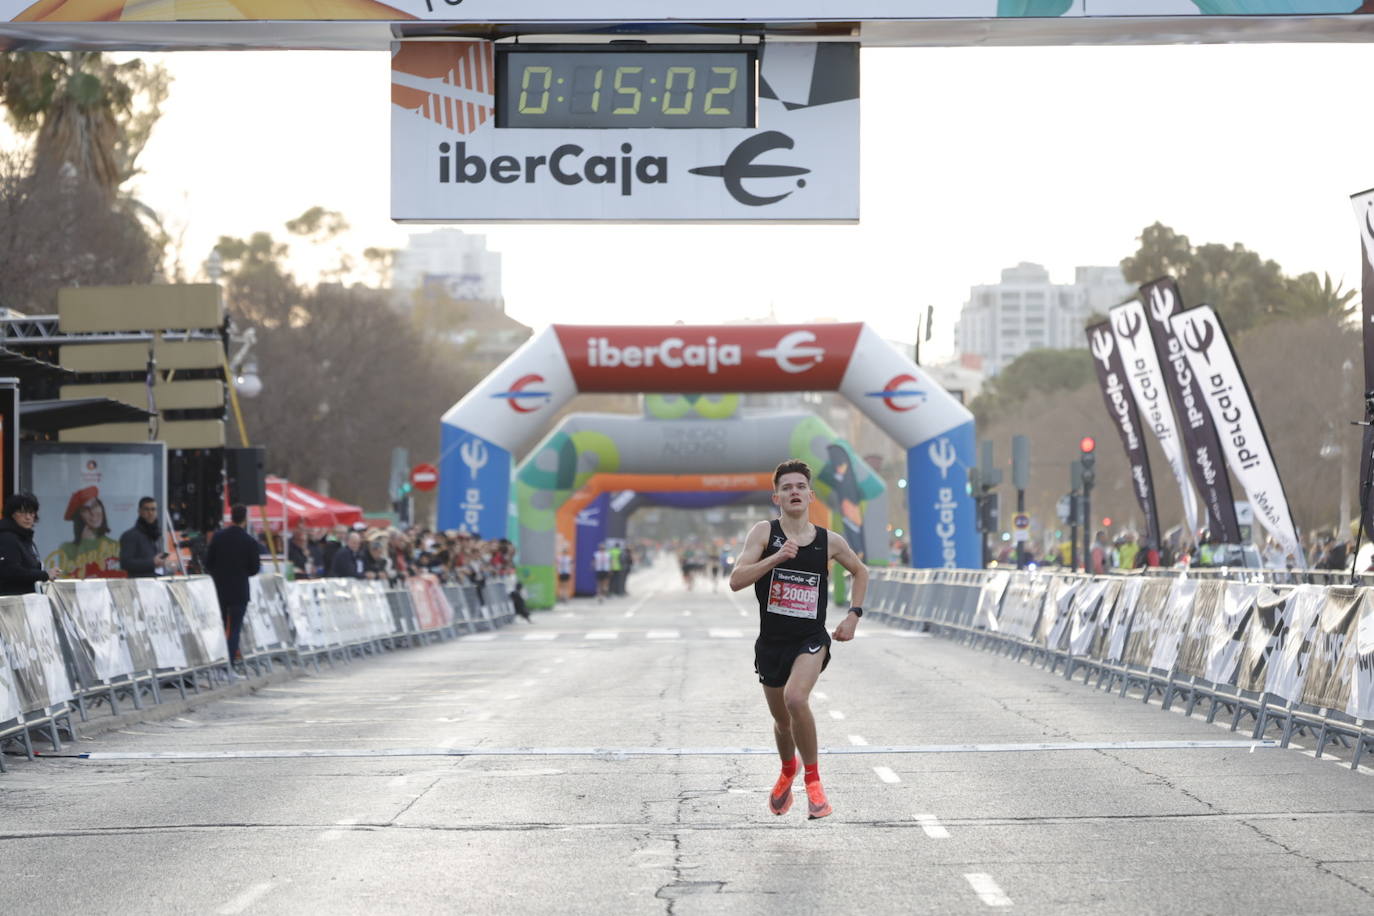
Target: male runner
[[787, 561]]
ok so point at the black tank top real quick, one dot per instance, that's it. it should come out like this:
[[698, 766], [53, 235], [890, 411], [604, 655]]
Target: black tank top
[[792, 597]]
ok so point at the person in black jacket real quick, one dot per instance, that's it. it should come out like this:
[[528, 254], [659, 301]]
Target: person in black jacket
[[233, 557], [21, 569], [348, 562], [140, 548]]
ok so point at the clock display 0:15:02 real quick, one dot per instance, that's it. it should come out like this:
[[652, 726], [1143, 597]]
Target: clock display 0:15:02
[[619, 89]]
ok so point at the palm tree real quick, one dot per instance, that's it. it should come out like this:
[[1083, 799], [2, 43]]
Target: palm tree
[[90, 117], [1308, 297]]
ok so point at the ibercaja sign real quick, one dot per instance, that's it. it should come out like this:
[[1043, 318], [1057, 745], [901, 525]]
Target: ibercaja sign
[[614, 132]]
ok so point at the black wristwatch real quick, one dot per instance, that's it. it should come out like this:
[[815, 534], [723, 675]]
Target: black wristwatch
[[857, 611]]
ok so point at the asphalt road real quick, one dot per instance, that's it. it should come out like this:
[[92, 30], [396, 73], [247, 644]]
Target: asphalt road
[[615, 775]]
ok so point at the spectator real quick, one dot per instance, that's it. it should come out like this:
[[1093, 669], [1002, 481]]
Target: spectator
[[21, 569], [140, 548], [298, 554], [375, 560], [348, 560], [232, 558]]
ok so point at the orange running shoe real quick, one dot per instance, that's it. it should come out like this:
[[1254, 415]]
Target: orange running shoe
[[780, 799], [817, 804]]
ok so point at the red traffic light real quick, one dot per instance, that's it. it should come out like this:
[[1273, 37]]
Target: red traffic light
[[1087, 445]]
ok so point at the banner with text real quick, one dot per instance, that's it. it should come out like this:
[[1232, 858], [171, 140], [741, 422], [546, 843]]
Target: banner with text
[[1146, 381], [1121, 407], [1228, 399], [1202, 445]]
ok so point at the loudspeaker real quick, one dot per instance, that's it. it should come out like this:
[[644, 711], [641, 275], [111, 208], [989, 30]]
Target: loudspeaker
[[246, 475]]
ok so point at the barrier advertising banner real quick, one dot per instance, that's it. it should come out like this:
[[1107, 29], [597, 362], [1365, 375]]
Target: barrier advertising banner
[[1121, 407], [1364, 216], [1228, 399], [1146, 381], [644, 132], [1202, 447], [89, 495]]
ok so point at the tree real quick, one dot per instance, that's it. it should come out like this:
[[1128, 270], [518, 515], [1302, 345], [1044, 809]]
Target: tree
[[66, 220], [1244, 289], [90, 116], [1031, 376], [1310, 297]]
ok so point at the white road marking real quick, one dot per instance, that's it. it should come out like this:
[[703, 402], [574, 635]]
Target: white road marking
[[544, 671], [398, 781], [602, 634], [484, 717], [886, 775], [246, 899], [715, 633], [539, 637], [567, 614], [836, 714], [686, 613], [858, 741], [528, 683], [932, 826], [630, 612], [482, 637], [909, 634], [820, 695], [451, 741], [511, 696], [663, 634], [987, 889]]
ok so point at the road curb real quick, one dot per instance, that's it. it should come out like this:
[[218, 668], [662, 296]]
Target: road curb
[[242, 686]]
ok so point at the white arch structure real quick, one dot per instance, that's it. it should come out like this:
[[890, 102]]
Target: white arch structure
[[508, 412]]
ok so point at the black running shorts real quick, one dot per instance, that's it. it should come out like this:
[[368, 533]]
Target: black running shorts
[[773, 660]]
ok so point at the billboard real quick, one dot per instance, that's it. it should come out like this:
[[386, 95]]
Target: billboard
[[793, 158], [88, 496]]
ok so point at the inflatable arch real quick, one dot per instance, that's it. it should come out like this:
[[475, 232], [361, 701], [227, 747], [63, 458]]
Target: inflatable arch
[[516, 403], [585, 445], [599, 510]]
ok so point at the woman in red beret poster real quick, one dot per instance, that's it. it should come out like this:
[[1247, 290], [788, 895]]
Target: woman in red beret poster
[[91, 553]]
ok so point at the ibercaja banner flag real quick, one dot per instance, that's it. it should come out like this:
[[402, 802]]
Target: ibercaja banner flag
[[1228, 398], [1145, 378], [1201, 444], [1111, 375], [1363, 203]]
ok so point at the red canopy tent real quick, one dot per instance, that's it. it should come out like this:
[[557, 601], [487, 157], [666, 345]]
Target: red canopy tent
[[290, 505]]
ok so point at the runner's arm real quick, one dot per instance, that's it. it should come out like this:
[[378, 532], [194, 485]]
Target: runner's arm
[[842, 553], [750, 567]]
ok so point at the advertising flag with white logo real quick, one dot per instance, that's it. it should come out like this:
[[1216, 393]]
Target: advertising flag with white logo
[[1364, 216], [1202, 446], [1228, 399], [1145, 378], [1111, 375]]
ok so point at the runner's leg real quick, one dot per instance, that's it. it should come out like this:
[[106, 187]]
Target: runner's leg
[[782, 723], [796, 698]]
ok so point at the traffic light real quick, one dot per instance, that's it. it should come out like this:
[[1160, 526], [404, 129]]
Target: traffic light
[[991, 507], [1087, 448]]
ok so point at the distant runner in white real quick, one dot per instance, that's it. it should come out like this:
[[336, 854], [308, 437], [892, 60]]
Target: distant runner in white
[[788, 561]]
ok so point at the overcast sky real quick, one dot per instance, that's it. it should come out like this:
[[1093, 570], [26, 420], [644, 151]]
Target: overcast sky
[[973, 159]]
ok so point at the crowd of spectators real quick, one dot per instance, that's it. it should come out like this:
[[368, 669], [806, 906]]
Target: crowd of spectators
[[393, 555]]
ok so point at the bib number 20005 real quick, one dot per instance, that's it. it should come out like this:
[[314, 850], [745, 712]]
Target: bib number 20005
[[794, 594]]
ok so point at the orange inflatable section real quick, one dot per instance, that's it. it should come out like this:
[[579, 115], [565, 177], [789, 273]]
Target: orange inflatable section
[[566, 519]]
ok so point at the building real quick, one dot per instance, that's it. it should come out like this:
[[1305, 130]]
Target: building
[[457, 260], [1026, 311]]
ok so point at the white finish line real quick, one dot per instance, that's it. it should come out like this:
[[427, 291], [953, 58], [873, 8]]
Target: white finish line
[[623, 752]]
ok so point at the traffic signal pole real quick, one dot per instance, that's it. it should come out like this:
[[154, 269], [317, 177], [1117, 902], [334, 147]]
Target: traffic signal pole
[[1087, 448]]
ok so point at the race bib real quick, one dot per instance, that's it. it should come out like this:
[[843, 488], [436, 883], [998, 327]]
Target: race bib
[[794, 594]]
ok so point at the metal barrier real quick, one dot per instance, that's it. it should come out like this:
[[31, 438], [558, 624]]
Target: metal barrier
[[1291, 658], [86, 643]]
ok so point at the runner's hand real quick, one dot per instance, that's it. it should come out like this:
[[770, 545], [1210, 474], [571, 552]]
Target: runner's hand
[[845, 631], [787, 551]]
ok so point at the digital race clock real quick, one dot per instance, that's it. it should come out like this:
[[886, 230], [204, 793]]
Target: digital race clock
[[608, 86]]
